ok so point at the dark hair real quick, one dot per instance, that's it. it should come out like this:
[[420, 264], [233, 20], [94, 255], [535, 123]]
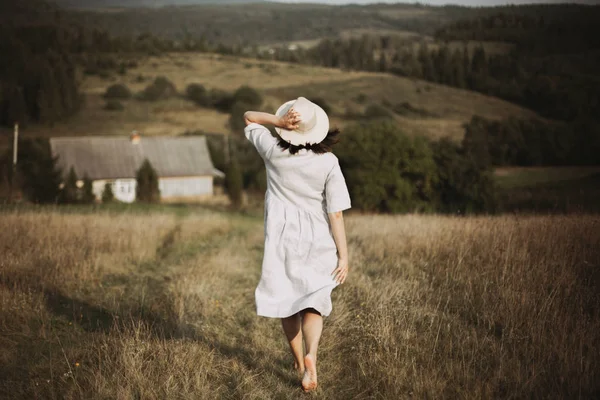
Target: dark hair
[[322, 147]]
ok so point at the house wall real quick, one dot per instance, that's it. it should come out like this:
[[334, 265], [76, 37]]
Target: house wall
[[181, 187], [123, 189], [170, 188]]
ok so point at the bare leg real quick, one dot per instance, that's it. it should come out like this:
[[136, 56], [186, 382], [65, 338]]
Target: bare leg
[[293, 333], [312, 326]]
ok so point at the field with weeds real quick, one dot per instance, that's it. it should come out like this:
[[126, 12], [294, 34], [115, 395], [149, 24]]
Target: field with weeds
[[159, 304]]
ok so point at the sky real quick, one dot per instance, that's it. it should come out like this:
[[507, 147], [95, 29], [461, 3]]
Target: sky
[[441, 2]]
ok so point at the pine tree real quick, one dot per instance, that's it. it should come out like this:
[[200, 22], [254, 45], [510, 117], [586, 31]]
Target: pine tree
[[147, 190], [458, 72], [14, 106], [426, 63], [88, 196], [107, 194], [70, 191], [40, 175], [233, 180]]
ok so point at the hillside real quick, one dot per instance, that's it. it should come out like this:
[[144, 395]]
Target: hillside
[[97, 4], [420, 107], [266, 22]]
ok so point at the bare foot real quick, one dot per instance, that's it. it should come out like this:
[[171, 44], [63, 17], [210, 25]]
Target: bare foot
[[309, 381]]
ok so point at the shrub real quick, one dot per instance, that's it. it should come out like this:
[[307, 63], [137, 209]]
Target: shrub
[[221, 100], [161, 88], [147, 190], [408, 109], [386, 170], [374, 111], [117, 91], [462, 186], [361, 98], [107, 194], [198, 94], [114, 105], [249, 96]]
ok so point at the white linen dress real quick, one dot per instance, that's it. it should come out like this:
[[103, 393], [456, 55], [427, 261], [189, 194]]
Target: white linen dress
[[300, 253]]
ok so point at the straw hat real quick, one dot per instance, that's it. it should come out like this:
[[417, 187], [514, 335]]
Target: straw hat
[[313, 126]]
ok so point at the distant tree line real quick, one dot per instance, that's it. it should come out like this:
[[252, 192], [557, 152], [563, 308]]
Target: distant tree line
[[388, 171], [38, 81], [519, 142], [552, 67]]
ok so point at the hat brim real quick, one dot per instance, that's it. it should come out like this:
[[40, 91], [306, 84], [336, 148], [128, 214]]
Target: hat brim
[[313, 136]]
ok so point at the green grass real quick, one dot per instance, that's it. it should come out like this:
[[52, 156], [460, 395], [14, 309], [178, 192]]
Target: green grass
[[515, 177], [550, 189]]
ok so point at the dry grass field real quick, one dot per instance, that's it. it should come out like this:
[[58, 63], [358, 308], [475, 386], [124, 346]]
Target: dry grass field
[[160, 305], [448, 108]]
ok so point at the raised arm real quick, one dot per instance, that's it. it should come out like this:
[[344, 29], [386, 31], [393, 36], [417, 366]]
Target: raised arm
[[336, 219], [288, 121]]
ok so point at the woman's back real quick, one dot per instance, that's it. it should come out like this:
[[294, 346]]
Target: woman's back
[[305, 180]]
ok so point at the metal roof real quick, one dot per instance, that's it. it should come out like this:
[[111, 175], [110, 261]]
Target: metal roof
[[107, 157]]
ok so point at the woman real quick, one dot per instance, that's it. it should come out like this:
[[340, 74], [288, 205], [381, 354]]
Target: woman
[[305, 254]]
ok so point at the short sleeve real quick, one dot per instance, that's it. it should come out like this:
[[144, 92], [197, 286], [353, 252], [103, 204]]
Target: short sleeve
[[336, 191], [260, 137]]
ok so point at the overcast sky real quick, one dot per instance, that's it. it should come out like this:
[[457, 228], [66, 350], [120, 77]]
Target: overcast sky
[[440, 2]]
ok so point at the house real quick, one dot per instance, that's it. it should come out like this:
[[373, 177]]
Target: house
[[183, 164]]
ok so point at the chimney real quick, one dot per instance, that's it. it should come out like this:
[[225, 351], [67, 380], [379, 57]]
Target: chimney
[[135, 137]]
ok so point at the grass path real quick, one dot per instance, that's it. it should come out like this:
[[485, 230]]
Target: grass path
[[160, 305]]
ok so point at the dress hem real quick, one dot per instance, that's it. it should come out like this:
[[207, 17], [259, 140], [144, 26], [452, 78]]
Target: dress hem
[[280, 311]]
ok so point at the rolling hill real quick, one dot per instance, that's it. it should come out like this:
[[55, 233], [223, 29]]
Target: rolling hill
[[419, 107], [95, 4]]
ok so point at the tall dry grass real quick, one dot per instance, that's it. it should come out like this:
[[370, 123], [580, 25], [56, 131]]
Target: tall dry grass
[[162, 306]]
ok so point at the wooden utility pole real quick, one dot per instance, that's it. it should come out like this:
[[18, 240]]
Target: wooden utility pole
[[226, 148], [14, 163]]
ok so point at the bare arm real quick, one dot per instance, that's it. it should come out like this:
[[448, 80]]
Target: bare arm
[[288, 121], [336, 220]]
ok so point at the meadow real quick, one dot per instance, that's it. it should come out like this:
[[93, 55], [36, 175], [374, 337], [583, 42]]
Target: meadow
[[158, 303]]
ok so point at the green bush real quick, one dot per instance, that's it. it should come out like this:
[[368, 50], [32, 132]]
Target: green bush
[[375, 111], [249, 96], [198, 94], [386, 170], [117, 91], [409, 110], [114, 105], [462, 186], [160, 89], [361, 98], [147, 190], [221, 100]]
